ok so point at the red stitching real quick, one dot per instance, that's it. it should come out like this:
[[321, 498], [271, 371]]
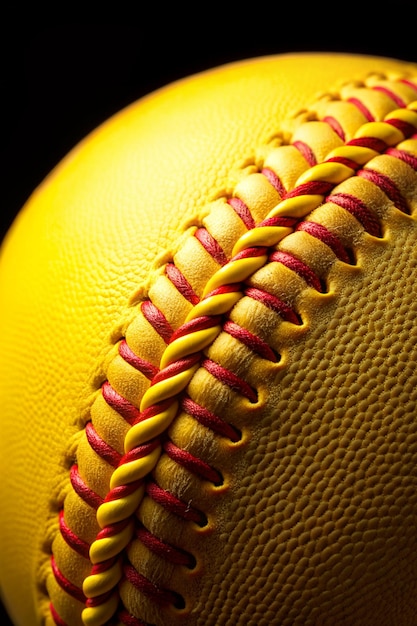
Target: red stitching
[[157, 320], [200, 323], [287, 222], [122, 406], [359, 210], [362, 109], [297, 266], [146, 368], [65, 584], [210, 420], [192, 464], [305, 150], [162, 597], [404, 156], [57, 619], [378, 145], [322, 234], [344, 161], [101, 447], [275, 181], [393, 96], [387, 186], [164, 550], [335, 126], [230, 379], [211, 245], [174, 505], [175, 368], [242, 211], [275, 304], [181, 283], [251, 341], [86, 494], [405, 128], [78, 545]]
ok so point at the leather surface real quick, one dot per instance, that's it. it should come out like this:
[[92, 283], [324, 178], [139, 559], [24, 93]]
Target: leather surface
[[90, 244]]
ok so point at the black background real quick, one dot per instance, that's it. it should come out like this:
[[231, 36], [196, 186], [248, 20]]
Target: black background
[[59, 82]]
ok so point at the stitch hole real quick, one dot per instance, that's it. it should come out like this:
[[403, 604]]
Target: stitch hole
[[192, 562], [179, 602], [203, 521], [352, 260]]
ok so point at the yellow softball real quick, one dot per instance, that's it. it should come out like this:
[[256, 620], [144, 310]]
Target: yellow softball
[[208, 373]]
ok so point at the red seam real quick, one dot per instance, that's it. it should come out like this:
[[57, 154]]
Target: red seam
[[285, 222], [297, 266], [146, 368], [209, 420], [211, 245], [373, 143], [174, 505], [230, 379], [73, 541], [57, 619], [242, 210], [362, 109], [181, 283], [274, 180], [101, 447], [178, 366], [335, 126], [404, 127], [122, 406], [388, 187], [359, 211], [162, 597], [322, 234], [81, 489], [123, 491], [275, 304], [164, 550], [157, 320], [320, 188], [251, 341], [393, 96], [305, 150], [199, 323], [404, 156], [409, 83], [65, 584], [193, 464], [344, 161]]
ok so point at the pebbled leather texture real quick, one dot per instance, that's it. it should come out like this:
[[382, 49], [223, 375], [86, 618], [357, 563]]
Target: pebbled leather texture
[[313, 521]]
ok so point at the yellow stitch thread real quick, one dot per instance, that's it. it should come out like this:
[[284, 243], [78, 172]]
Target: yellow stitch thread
[[101, 614], [235, 272], [298, 206], [267, 236], [405, 115], [134, 470], [358, 154], [96, 584], [214, 305], [118, 510], [150, 428], [326, 172], [108, 547], [167, 388], [188, 344], [380, 130]]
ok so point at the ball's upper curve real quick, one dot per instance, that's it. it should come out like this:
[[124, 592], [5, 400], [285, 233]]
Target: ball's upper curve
[[293, 449]]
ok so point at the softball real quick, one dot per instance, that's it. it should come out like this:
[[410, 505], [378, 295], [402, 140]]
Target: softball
[[208, 381]]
